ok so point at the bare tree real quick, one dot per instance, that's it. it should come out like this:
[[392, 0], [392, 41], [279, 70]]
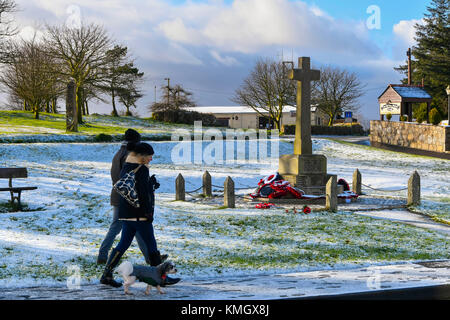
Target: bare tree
[[82, 52], [267, 89], [7, 28], [29, 74], [337, 90], [173, 98]]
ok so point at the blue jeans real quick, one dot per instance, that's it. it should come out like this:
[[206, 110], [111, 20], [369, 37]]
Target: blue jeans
[[114, 229], [132, 228]]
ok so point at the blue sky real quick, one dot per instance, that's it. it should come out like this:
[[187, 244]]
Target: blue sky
[[209, 46], [392, 11]]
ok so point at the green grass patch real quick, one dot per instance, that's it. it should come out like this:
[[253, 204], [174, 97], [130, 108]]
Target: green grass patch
[[92, 124], [98, 128], [274, 240], [6, 207]]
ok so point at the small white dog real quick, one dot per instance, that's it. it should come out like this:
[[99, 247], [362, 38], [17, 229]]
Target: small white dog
[[153, 276]]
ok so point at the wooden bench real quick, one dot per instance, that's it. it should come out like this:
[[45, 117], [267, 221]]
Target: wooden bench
[[11, 173]]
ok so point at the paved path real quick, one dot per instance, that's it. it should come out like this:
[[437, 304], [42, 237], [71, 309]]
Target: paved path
[[278, 286], [364, 140]]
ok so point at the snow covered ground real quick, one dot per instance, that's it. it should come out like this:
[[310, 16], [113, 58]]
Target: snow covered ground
[[68, 215]]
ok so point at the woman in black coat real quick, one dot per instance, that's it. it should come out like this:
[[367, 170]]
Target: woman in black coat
[[136, 219]]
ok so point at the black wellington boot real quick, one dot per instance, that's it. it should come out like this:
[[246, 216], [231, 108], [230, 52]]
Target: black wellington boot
[[155, 258], [164, 257], [107, 277]]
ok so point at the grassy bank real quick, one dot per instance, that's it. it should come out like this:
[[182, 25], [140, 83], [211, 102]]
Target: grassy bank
[[24, 122], [20, 126]]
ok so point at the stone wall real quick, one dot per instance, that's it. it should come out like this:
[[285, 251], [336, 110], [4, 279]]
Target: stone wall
[[410, 135]]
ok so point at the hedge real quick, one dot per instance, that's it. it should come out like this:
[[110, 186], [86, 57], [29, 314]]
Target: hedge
[[185, 117], [355, 129]]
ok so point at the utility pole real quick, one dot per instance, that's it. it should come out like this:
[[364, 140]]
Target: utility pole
[[285, 63], [408, 54], [168, 91]]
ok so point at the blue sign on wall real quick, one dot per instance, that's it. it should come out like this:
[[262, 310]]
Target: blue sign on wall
[[348, 114]]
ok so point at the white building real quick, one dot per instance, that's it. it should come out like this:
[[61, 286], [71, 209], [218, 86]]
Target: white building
[[245, 117]]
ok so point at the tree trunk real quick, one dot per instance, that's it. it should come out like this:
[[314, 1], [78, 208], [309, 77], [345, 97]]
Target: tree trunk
[[128, 113], [47, 107], [278, 123], [36, 112], [54, 106], [87, 106], [24, 105], [83, 107], [79, 102], [330, 122], [114, 113]]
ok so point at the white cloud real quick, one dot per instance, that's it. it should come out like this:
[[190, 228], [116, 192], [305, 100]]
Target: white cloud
[[169, 52], [27, 33], [405, 31], [176, 30], [244, 26], [131, 22], [227, 60], [248, 26], [319, 12]]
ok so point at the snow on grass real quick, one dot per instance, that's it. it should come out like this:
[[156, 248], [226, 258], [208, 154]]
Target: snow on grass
[[390, 171], [67, 217], [438, 211]]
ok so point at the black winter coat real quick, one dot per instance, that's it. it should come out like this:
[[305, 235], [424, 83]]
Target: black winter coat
[[146, 194], [116, 167]]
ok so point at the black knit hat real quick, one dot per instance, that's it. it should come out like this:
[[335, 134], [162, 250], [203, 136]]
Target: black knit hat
[[141, 148], [132, 136]]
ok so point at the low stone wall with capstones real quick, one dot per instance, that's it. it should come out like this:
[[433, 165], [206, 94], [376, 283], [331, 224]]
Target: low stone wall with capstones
[[411, 135]]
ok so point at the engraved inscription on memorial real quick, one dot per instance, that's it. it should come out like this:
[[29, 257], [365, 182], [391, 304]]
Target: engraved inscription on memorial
[[301, 181], [312, 165]]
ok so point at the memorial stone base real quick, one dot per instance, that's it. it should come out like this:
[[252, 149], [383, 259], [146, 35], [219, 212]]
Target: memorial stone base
[[306, 172]]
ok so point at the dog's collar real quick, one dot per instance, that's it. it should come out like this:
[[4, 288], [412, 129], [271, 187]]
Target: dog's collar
[[163, 277]]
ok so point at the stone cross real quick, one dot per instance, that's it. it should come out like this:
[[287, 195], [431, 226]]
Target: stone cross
[[304, 75], [71, 108]]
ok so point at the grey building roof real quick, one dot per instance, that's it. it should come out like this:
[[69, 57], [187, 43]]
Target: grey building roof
[[239, 109], [411, 92]]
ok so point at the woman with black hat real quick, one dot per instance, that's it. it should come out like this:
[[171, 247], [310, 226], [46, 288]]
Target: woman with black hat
[[115, 228], [136, 220]]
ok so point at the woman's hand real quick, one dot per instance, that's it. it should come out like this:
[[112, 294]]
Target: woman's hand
[[154, 182]]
